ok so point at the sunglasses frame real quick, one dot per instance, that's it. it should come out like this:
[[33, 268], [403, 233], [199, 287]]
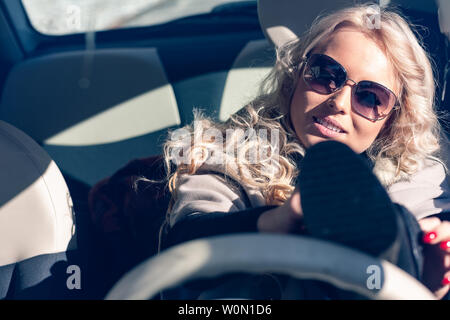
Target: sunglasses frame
[[354, 85]]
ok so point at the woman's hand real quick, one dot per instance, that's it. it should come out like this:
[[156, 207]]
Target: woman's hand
[[436, 273], [283, 219]]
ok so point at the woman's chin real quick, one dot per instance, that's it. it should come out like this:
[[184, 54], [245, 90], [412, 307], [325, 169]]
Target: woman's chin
[[312, 140]]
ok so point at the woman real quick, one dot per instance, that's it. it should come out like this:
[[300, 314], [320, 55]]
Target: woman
[[369, 89]]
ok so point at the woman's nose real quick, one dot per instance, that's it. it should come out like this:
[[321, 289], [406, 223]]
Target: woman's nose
[[341, 100]]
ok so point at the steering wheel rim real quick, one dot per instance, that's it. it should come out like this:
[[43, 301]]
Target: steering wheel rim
[[299, 257]]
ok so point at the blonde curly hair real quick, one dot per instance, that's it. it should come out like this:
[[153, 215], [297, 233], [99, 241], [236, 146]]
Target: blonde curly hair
[[411, 134]]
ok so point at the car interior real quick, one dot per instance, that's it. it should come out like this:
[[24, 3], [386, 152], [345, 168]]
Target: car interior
[[76, 108]]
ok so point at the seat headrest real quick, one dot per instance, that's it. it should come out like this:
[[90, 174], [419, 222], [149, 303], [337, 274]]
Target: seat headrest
[[92, 110], [36, 215], [285, 20]]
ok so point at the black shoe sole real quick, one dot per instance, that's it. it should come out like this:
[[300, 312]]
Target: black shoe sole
[[343, 201]]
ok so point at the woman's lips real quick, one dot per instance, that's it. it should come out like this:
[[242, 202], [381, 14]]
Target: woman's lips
[[328, 127]]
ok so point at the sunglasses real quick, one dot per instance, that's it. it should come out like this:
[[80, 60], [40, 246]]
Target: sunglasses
[[370, 100]]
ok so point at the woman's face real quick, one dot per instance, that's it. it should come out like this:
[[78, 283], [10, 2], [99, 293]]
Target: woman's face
[[363, 60]]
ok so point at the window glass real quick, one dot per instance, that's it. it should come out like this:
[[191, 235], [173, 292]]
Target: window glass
[[59, 17]]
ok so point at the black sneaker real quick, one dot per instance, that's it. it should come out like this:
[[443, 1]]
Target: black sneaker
[[343, 201]]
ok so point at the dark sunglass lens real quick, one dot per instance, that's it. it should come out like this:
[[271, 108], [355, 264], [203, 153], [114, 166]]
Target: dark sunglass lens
[[323, 74], [373, 100]]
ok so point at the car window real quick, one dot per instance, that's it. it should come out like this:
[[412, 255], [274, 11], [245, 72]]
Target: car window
[[76, 16]]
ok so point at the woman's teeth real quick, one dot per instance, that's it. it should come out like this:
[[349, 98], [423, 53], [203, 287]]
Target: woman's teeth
[[328, 125]]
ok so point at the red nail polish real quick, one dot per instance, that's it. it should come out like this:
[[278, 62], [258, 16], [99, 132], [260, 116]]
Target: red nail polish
[[446, 281], [430, 236], [445, 245]]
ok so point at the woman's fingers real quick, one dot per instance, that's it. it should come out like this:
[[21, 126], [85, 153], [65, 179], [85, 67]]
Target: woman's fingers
[[446, 280], [428, 224], [436, 270], [440, 237], [442, 290], [439, 234], [443, 232], [445, 245]]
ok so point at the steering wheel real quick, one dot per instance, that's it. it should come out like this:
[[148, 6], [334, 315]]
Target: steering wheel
[[299, 257]]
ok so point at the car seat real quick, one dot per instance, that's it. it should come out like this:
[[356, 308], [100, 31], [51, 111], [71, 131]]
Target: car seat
[[38, 240]]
